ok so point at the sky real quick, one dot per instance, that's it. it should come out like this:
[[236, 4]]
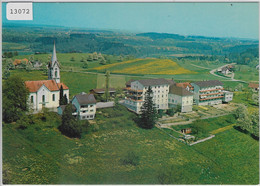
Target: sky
[[239, 20]]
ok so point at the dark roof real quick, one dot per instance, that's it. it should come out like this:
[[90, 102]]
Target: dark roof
[[63, 108], [179, 91], [208, 83], [102, 90], [85, 99], [150, 82], [171, 82]]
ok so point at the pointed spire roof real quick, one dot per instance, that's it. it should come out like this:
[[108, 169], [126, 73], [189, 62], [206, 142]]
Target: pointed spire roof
[[54, 57]]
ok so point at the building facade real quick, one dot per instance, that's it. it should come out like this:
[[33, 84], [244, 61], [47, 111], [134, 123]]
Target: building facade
[[85, 105], [45, 93], [136, 93], [180, 96], [208, 92]]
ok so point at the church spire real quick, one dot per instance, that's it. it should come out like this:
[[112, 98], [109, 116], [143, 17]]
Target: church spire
[[54, 57]]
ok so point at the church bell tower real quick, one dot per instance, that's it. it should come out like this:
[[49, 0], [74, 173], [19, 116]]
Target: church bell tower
[[54, 67]]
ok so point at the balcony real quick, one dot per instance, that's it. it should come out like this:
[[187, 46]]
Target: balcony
[[211, 94], [211, 90], [211, 98]]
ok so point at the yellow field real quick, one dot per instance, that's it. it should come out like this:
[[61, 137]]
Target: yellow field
[[146, 66]]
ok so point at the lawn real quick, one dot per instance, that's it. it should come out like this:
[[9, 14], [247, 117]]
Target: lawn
[[246, 73], [41, 155]]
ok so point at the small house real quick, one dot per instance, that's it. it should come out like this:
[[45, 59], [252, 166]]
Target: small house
[[85, 105]]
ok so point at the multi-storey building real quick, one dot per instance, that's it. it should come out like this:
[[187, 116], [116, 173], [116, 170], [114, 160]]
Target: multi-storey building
[[85, 106], [137, 89], [208, 92], [180, 96]]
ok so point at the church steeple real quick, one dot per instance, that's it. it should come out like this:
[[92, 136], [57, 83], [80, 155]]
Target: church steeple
[[54, 57], [54, 67]]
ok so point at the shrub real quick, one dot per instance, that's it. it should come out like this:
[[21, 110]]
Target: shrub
[[170, 112], [95, 127]]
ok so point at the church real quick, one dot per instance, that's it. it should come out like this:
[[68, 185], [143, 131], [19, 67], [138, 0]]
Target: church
[[46, 93]]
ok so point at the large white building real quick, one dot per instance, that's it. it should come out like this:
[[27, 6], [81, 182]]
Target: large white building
[[46, 93], [137, 89], [210, 93]]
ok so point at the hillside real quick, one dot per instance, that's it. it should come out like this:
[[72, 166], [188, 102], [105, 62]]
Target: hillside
[[145, 66], [40, 154]]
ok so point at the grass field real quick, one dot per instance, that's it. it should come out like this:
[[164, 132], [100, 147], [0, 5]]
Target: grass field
[[246, 73], [146, 66], [41, 155]]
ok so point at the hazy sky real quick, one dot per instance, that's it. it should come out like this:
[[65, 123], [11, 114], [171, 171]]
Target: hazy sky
[[206, 19]]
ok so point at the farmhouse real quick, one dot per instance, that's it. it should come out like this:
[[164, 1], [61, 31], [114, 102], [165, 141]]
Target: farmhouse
[[85, 105], [46, 93], [136, 91], [180, 96]]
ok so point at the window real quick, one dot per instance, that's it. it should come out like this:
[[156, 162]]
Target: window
[[83, 111], [83, 117], [91, 110], [158, 86], [31, 99], [43, 98], [56, 73], [91, 116], [91, 105], [53, 97]]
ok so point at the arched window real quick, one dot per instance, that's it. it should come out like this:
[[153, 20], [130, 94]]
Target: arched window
[[43, 98], [56, 73], [53, 97], [31, 99]]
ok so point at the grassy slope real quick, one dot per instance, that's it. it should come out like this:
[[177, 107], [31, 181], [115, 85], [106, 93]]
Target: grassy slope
[[229, 158]]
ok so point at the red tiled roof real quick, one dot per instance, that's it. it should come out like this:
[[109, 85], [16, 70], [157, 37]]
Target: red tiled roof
[[253, 85], [34, 86], [184, 85], [63, 86]]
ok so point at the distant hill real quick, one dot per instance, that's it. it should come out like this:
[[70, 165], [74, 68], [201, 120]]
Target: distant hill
[[30, 39]]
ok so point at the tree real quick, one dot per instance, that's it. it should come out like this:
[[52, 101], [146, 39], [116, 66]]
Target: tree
[[95, 56], [63, 98], [15, 96], [16, 53], [243, 119], [6, 73], [69, 125], [28, 67], [255, 99], [85, 65], [255, 123], [200, 128], [90, 57], [148, 115], [72, 59], [107, 85]]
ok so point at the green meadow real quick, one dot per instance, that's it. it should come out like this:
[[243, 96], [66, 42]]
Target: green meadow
[[41, 155]]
